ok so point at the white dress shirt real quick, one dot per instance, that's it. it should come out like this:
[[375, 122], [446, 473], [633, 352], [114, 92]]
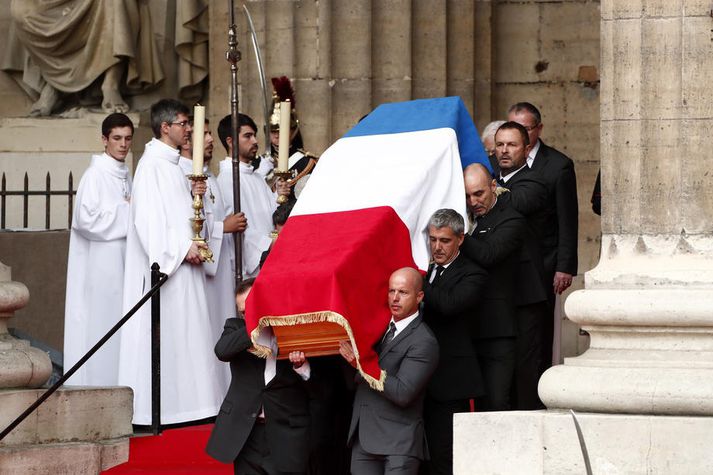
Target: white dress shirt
[[533, 153], [267, 338], [511, 174], [445, 266], [403, 323]]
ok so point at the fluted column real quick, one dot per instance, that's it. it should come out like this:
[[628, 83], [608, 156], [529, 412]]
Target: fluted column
[[430, 70], [391, 51], [351, 63], [313, 73], [483, 64], [648, 305], [461, 50]]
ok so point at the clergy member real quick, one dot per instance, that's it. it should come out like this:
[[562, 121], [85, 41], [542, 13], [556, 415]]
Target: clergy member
[[160, 231], [257, 200], [97, 247], [218, 229]]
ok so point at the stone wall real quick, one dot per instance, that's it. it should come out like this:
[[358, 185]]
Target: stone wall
[[39, 260]]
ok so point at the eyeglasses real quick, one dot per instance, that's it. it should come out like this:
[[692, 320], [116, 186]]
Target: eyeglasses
[[531, 127], [183, 123]]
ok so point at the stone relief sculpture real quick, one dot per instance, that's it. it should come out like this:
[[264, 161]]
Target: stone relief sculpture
[[79, 52]]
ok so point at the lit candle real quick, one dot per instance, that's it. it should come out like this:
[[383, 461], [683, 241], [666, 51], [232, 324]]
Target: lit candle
[[284, 151], [198, 136]]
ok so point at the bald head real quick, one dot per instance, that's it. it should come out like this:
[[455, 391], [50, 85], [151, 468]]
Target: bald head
[[411, 275], [477, 170], [405, 292], [479, 189]]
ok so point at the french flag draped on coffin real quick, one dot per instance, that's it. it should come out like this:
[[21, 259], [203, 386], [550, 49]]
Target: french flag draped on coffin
[[363, 215]]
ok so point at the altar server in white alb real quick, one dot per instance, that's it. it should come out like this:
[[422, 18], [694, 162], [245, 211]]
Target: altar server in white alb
[[97, 247], [217, 231], [257, 200], [160, 231]]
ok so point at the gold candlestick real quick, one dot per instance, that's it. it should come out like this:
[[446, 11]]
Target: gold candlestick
[[284, 175], [197, 220]]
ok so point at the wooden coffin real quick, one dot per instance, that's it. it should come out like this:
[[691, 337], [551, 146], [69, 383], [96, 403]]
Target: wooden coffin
[[314, 339]]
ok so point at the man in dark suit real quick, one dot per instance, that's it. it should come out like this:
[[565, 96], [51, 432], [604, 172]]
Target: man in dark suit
[[559, 243], [386, 432], [452, 289], [494, 243], [263, 424], [526, 194]]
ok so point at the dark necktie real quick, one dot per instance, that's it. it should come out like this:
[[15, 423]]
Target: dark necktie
[[389, 334], [439, 271]]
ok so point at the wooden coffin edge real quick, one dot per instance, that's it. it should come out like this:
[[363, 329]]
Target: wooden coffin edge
[[326, 316]]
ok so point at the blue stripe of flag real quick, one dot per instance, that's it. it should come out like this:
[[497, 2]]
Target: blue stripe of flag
[[427, 114]]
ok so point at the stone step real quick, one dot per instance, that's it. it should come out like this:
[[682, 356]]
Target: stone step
[[73, 458], [72, 414]]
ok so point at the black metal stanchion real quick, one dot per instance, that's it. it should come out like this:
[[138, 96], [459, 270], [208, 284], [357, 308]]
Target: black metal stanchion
[[155, 353], [157, 280]]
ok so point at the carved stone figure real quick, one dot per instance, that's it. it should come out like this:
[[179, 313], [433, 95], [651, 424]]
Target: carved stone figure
[[69, 51]]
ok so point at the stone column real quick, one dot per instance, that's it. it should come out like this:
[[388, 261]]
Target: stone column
[[460, 59], [391, 51], [483, 65], [430, 54], [648, 305], [313, 73], [351, 29], [21, 366]]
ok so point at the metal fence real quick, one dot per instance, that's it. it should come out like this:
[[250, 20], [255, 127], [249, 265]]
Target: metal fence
[[25, 193]]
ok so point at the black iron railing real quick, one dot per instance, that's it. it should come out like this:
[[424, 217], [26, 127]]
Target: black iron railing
[[25, 193], [157, 280]]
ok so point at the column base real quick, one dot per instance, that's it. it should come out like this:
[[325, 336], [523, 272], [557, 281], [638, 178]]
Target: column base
[[671, 391], [545, 442]]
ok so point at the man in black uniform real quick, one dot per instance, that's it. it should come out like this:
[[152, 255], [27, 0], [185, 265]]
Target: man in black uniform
[[494, 242]]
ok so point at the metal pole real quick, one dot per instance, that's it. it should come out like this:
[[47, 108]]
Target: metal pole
[[233, 56], [155, 352]]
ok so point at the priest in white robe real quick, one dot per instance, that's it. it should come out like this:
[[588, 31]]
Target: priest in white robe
[[257, 200], [160, 231], [97, 247], [217, 231]]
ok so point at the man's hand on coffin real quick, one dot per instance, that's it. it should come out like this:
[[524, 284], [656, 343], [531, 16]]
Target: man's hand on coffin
[[194, 256], [297, 358], [347, 352], [235, 223], [198, 187]]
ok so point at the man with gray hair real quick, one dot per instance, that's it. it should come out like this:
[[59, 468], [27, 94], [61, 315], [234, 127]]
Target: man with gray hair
[[160, 231], [452, 289], [488, 139]]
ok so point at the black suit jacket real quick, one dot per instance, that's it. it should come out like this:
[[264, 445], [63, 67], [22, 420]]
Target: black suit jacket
[[496, 244], [450, 304], [528, 195], [559, 244], [391, 422], [284, 398]]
